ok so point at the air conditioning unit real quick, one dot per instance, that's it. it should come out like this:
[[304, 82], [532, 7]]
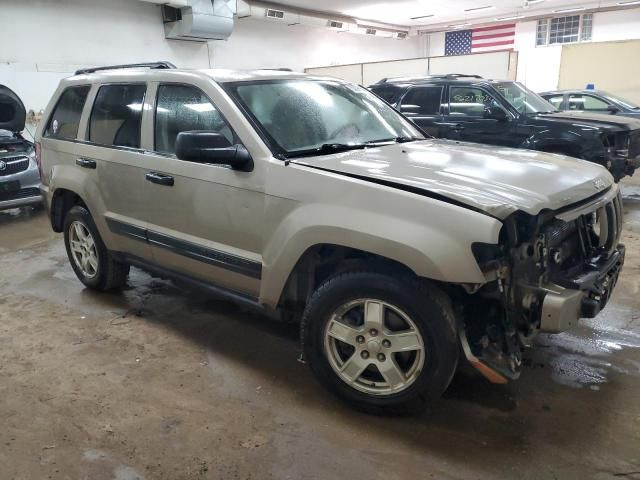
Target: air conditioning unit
[[201, 21]]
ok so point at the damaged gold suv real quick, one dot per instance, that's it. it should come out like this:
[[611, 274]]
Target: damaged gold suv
[[311, 198]]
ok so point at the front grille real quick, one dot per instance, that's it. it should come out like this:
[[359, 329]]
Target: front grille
[[24, 193], [608, 227], [13, 165]]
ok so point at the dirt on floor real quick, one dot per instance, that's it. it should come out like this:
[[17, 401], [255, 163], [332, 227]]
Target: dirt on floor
[[160, 383]]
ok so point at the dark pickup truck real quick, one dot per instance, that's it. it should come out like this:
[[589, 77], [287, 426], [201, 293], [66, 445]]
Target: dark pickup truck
[[506, 113]]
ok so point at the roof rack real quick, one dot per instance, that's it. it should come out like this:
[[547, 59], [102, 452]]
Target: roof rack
[[153, 65], [448, 76]]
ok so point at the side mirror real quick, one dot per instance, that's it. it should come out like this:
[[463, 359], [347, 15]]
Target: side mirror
[[495, 113], [204, 146], [613, 109]]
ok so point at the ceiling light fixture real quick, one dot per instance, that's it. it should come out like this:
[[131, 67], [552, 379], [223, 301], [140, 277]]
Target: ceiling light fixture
[[532, 2], [513, 17], [567, 10], [459, 25], [630, 2], [431, 15], [477, 9]]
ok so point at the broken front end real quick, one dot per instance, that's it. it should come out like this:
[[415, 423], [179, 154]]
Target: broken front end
[[547, 272]]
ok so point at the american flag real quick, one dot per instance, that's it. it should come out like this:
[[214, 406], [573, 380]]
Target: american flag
[[482, 39]]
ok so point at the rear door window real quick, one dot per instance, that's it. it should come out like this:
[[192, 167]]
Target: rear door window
[[117, 115], [423, 100], [181, 108], [65, 119]]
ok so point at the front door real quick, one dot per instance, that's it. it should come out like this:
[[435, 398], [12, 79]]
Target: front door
[[203, 220], [469, 117]]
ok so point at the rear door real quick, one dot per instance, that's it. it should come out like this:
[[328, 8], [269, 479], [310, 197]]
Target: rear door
[[112, 154], [467, 120], [423, 105], [203, 220]]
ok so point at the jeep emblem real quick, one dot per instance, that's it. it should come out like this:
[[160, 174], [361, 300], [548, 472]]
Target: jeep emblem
[[3, 165], [598, 183]]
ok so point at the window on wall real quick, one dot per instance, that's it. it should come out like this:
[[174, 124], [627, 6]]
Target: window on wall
[[559, 30]]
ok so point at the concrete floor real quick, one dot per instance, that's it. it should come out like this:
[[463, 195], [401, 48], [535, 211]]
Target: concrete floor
[[159, 383]]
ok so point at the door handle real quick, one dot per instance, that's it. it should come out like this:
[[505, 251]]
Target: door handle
[[86, 163], [159, 178]]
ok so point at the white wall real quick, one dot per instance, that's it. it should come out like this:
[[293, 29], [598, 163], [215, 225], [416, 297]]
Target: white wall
[[42, 41], [538, 67], [271, 44]]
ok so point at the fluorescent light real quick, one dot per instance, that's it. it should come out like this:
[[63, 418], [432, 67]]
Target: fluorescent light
[[513, 17], [477, 9], [630, 2], [567, 10], [460, 25], [431, 15], [533, 2], [200, 107]]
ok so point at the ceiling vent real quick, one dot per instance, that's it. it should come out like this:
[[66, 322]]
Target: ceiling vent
[[335, 24], [370, 31], [201, 21], [271, 13]]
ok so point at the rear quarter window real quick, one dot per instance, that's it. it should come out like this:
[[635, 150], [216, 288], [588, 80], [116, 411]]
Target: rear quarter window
[[65, 119]]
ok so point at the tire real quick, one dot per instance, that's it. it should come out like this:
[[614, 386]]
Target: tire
[[103, 272], [407, 302]]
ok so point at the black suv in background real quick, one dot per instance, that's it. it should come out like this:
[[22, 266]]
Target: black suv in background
[[470, 108]]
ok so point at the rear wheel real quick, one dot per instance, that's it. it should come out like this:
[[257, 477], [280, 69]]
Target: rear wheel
[[91, 261], [384, 344]]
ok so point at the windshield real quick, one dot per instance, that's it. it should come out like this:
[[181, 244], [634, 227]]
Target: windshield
[[623, 103], [320, 116], [523, 99]]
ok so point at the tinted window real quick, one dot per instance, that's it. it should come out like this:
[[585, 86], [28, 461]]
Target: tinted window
[[578, 101], [65, 119], [423, 100], [181, 108], [469, 101], [389, 93], [116, 115]]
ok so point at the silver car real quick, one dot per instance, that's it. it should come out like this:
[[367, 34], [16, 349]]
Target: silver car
[[19, 175]]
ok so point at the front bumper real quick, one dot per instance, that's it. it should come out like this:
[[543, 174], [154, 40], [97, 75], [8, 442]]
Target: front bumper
[[28, 192], [581, 297]]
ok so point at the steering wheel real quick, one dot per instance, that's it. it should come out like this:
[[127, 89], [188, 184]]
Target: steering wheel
[[350, 130]]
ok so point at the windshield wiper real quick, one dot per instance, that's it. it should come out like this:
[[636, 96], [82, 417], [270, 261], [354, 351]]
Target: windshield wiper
[[328, 148]]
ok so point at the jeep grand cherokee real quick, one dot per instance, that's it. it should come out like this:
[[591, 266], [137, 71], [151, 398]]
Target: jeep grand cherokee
[[311, 198]]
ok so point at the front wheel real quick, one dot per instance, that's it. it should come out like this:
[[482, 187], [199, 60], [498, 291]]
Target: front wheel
[[385, 344]]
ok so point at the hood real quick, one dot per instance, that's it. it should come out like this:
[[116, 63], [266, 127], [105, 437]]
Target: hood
[[12, 112], [492, 179], [595, 119]]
